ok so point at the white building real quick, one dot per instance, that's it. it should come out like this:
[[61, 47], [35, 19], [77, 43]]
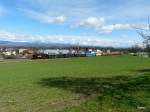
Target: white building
[[99, 52]]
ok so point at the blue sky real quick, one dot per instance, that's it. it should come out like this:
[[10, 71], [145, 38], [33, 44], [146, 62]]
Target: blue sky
[[85, 22]]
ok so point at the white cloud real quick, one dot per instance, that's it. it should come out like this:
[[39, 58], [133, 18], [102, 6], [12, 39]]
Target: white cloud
[[99, 25], [46, 18], [65, 39], [106, 29], [110, 28], [122, 27], [93, 22]]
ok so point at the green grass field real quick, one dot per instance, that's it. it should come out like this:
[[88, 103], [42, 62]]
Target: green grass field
[[99, 84]]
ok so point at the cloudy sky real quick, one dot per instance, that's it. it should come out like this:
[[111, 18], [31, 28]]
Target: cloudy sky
[[84, 22]]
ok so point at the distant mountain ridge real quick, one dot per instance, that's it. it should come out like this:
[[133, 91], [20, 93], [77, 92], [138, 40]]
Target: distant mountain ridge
[[31, 44]]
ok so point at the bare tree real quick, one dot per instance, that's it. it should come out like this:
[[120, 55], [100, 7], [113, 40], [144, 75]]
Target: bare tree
[[146, 41], [146, 36]]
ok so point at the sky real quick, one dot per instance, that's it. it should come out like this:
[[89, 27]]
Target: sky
[[85, 22]]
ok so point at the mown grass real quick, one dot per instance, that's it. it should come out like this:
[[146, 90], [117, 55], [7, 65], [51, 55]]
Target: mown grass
[[99, 84]]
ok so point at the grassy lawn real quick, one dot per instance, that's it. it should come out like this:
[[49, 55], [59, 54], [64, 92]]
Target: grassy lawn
[[99, 84]]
